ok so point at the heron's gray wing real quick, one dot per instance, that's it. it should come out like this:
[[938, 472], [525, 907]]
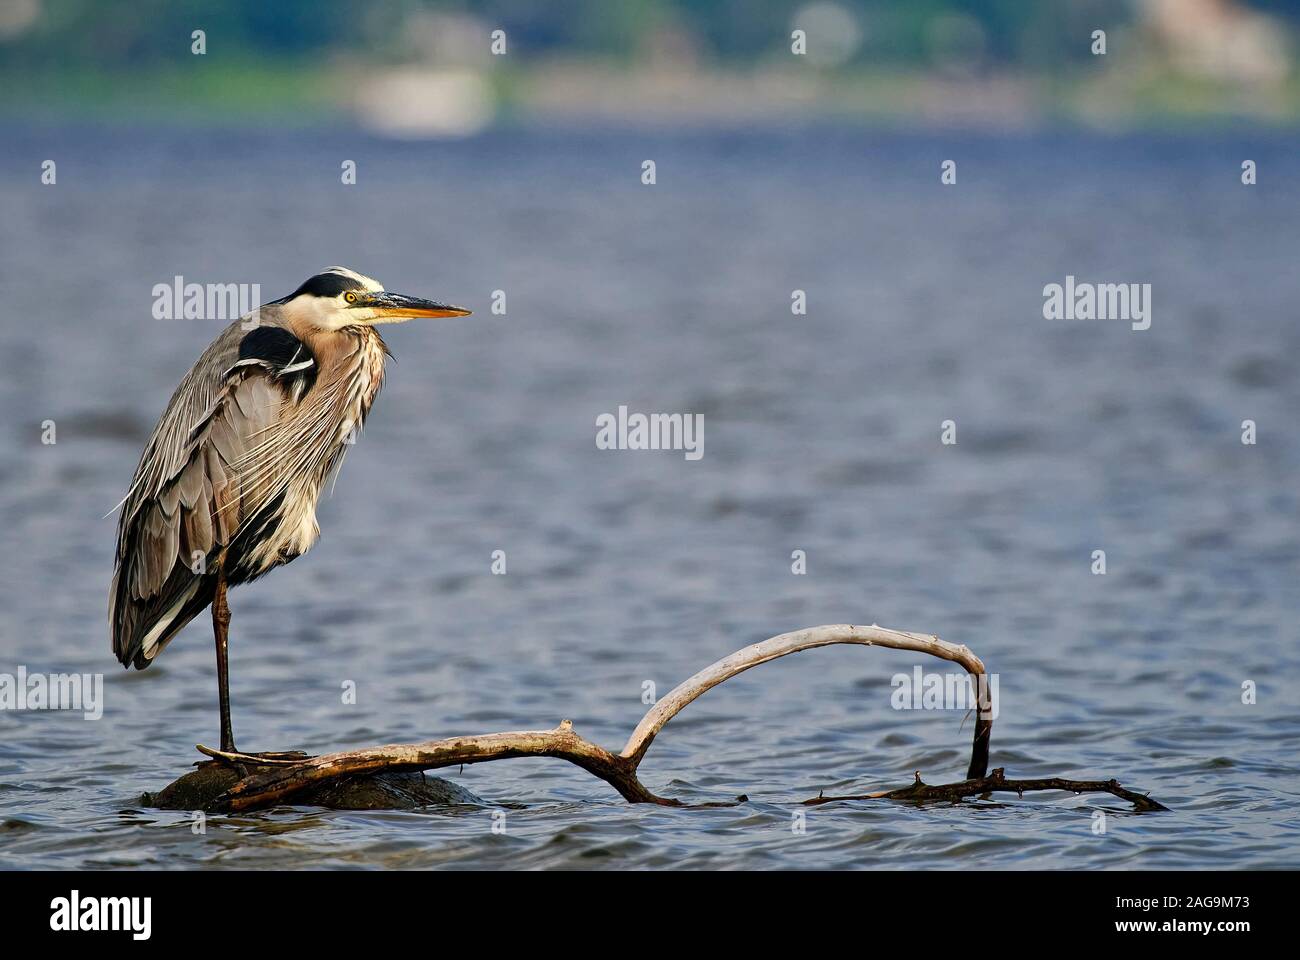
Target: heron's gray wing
[[188, 499]]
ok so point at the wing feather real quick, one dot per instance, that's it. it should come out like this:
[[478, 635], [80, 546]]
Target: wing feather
[[186, 496]]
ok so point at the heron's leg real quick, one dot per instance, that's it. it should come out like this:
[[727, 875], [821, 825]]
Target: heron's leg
[[221, 629]]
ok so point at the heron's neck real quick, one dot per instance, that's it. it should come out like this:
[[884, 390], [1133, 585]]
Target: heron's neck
[[351, 358]]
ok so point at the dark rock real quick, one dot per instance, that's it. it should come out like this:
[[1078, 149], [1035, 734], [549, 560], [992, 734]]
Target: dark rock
[[384, 791]]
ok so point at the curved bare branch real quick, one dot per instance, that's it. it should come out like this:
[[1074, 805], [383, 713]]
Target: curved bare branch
[[684, 693]]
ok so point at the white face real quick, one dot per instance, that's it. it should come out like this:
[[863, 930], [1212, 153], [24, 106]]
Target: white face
[[334, 313], [367, 304]]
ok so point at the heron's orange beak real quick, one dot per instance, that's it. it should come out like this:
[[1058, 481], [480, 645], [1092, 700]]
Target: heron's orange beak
[[396, 306]]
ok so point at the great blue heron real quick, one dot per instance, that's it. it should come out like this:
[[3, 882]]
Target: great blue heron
[[227, 485]]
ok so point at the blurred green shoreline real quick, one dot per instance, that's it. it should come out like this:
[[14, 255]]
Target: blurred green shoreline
[[298, 93]]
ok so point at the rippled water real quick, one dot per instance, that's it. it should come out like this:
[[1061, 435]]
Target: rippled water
[[821, 434]]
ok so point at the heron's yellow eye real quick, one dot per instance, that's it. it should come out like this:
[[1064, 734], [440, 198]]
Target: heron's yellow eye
[[350, 297]]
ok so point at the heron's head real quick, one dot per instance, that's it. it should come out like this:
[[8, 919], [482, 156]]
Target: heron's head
[[339, 297]]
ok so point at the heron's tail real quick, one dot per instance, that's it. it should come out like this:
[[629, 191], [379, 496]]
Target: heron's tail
[[141, 628]]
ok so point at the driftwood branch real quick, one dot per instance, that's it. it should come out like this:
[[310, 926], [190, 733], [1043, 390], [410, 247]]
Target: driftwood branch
[[281, 782], [278, 778]]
